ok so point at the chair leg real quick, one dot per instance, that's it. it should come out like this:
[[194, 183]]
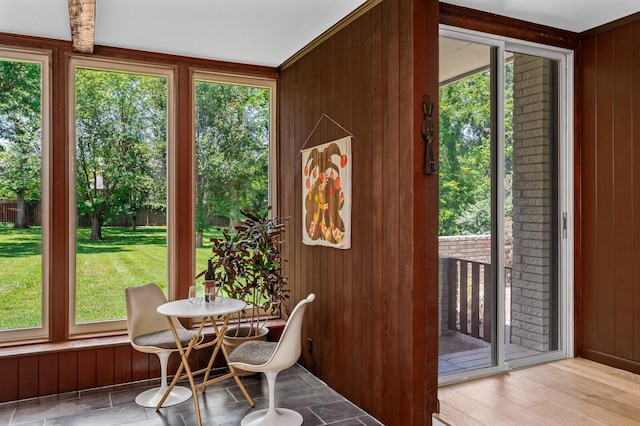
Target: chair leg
[[151, 397], [272, 416]]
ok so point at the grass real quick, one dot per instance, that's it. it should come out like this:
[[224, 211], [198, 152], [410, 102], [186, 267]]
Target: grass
[[103, 269]]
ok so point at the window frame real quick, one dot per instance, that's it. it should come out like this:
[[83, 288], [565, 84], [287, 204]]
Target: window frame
[[117, 326], [44, 57], [240, 80]]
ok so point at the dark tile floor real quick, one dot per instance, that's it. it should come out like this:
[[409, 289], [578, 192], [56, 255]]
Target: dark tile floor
[[222, 404]]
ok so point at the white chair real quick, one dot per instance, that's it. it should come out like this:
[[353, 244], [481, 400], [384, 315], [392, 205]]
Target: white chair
[[270, 358], [149, 332]]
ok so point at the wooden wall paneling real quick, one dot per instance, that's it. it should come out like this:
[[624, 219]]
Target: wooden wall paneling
[[354, 307], [409, 232], [87, 369], [605, 146], [363, 309], [28, 377], [326, 274], [123, 364], [622, 280], [139, 365], [577, 202], [425, 267], [338, 75], [105, 366], [306, 111], [376, 122], [636, 190], [394, 287], [589, 297], [431, 272], [316, 252], [9, 388], [48, 374], [68, 371]]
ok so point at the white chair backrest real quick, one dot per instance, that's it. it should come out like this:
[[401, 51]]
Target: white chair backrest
[[142, 315], [290, 345]]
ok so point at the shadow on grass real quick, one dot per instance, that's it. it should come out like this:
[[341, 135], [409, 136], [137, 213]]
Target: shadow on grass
[[28, 242]]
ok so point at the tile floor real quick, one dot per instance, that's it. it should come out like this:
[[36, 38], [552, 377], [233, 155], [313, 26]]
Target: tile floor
[[222, 404]]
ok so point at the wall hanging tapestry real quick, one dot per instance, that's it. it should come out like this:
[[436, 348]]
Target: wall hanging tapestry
[[326, 194]]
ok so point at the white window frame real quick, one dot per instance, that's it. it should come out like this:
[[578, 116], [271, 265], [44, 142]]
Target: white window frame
[[117, 325], [565, 59]]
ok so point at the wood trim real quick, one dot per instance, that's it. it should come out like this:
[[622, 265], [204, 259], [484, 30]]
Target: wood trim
[[343, 23], [490, 23], [611, 360]]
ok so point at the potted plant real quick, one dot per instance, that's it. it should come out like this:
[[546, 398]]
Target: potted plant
[[248, 267]]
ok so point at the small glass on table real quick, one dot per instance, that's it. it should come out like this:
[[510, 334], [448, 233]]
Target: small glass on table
[[195, 294]]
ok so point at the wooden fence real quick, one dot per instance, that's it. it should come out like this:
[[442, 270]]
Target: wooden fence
[[471, 298], [146, 217], [9, 213]]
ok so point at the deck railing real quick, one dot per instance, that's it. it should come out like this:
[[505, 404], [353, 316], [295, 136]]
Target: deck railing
[[470, 300]]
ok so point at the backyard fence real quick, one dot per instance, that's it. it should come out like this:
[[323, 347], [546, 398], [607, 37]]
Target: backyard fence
[[145, 217], [9, 212]]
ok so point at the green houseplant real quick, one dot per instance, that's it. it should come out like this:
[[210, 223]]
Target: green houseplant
[[248, 266]]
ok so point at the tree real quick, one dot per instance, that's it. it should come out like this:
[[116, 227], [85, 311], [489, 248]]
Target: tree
[[465, 153], [120, 128], [232, 149], [20, 134]]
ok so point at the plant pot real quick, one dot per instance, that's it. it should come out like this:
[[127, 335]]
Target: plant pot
[[231, 341]]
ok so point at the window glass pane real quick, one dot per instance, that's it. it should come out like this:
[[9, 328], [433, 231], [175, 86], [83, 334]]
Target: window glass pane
[[232, 156], [531, 296], [121, 190], [466, 340], [21, 195]]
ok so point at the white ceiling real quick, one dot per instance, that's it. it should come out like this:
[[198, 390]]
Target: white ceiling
[[260, 32], [572, 15]]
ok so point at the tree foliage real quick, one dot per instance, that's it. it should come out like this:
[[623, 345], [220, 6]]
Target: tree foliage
[[232, 149], [20, 133], [120, 144], [465, 153]]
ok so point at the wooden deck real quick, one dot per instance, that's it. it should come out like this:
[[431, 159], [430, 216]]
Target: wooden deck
[[568, 392]]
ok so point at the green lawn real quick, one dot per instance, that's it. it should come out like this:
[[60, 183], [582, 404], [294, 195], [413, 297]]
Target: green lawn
[[103, 270]]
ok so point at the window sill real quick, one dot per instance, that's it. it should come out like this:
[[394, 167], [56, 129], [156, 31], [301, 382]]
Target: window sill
[[275, 326]]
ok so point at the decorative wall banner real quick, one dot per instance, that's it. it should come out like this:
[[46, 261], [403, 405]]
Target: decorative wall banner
[[326, 194]]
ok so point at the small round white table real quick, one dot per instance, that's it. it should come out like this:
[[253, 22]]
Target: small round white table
[[217, 314]]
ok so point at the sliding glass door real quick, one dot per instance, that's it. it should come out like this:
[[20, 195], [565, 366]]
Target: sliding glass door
[[505, 163]]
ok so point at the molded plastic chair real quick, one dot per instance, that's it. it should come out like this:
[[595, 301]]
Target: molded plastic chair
[[270, 358], [149, 332]]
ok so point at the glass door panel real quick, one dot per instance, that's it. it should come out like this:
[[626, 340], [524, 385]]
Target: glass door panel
[[500, 293], [531, 206], [466, 288]]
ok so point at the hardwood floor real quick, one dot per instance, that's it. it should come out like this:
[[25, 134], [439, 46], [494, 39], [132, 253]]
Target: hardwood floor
[[568, 392]]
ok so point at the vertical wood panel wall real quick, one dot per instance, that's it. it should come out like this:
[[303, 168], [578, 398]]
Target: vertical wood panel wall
[[374, 320], [610, 271]]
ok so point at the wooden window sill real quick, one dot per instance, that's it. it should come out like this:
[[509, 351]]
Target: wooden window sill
[[276, 325]]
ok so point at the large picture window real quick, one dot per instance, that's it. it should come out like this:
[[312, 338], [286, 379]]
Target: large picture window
[[234, 152], [24, 145], [120, 143]]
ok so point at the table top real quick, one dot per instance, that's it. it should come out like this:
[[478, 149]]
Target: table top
[[185, 309]]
